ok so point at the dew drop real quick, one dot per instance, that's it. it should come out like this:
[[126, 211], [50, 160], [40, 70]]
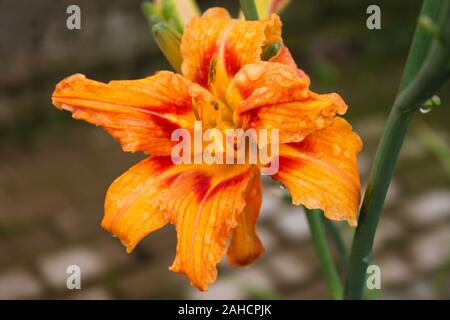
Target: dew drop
[[283, 186], [425, 109], [320, 122]]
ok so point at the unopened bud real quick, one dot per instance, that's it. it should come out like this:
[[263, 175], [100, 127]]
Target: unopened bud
[[168, 40], [175, 12], [270, 51]]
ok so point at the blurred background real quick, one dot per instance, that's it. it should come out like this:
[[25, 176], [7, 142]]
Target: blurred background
[[54, 171]]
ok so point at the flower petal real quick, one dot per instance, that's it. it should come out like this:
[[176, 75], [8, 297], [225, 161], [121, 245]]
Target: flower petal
[[140, 114], [131, 205], [245, 245], [215, 47], [205, 217], [284, 57], [273, 95], [199, 43], [322, 171]]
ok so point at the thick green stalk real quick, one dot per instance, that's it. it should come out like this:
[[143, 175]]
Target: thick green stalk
[[382, 170], [421, 44], [426, 70], [326, 261], [249, 9]]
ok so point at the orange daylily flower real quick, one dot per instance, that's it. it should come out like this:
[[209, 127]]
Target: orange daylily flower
[[224, 84]]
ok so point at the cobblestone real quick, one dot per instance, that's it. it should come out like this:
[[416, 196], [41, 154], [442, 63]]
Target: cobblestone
[[18, 283], [293, 224], [26, 245], [394, 270], [289, 268], [152, 281], [429, 207], [94, 293], [223, 289], [388, 230], [431, 250], [53, 267]]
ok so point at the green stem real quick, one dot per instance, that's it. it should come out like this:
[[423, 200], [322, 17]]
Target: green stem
[[249, 9], [326, 261], [428, 69], [424, 76], [421, 44], [337, 241], [382, 170]]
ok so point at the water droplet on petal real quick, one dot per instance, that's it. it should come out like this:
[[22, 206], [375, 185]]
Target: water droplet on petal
[[320, 122], [282, 186]]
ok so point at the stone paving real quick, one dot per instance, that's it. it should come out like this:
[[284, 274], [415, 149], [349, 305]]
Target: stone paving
[[53, 222], [54, 175]]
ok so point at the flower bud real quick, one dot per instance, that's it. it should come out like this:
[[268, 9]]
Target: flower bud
[[168, 40], [175, 12]]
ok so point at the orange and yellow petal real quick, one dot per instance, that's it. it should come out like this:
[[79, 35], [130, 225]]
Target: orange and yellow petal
[[140, 114], [321, 172], [274, 96], [284, 57], [206, 216], [215, 47], [199, 43], [245, 245], [131, 205]]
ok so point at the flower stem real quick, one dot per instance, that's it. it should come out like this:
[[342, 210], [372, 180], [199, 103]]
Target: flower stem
[[326, 261], [249, 9], [382, 170], [425, 71], [337, 240]]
